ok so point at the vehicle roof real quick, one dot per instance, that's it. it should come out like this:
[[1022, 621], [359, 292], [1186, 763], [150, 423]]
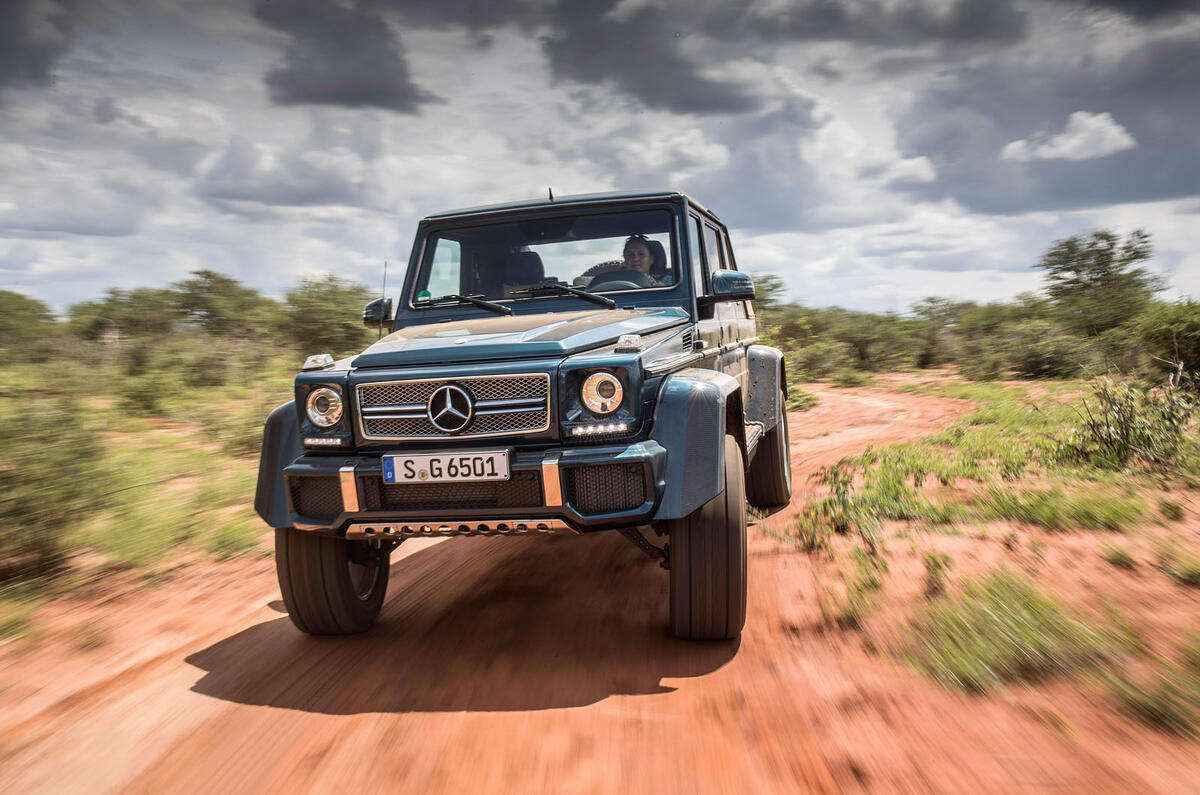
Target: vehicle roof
[[611, 197]]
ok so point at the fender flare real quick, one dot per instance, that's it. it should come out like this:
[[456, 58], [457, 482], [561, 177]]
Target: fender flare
[[766, 371], [689, 422], [280, 447]]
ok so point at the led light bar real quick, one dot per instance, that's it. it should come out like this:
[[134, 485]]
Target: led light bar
[[317, 441], [600, 428]]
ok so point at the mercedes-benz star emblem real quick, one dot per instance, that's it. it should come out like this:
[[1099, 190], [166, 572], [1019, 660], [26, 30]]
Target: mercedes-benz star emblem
[[450, 408]]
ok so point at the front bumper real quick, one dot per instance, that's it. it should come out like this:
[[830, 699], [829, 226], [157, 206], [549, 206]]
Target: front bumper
[[550, 491]]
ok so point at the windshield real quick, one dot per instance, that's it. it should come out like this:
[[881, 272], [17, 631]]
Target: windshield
[[598, 253]]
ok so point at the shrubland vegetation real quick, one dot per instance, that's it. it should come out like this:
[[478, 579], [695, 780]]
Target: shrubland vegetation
[[138, 419], [1098, 314], [140, 416]]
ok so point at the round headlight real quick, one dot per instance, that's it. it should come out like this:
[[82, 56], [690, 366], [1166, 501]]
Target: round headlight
[[324, 407], [602, 393]]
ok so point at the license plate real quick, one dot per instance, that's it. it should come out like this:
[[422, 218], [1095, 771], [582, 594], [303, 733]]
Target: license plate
[[446, 467]]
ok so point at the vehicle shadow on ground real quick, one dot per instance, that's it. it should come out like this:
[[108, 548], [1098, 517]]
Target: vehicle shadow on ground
[[478, 624]]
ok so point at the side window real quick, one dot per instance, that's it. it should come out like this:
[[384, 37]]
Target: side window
[[719, 258], [713, 250], [698, 269]]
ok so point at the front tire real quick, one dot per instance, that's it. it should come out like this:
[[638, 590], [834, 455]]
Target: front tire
[[330, 586], [769, 481], [708, 561]]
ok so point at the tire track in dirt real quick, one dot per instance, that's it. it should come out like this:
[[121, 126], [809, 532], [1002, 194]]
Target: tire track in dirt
[[499, 663]]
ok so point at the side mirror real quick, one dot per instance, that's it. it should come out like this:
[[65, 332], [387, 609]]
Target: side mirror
[[729, 286], [378, 313]]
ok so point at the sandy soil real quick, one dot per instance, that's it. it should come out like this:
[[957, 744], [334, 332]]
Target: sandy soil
[[518, 664]]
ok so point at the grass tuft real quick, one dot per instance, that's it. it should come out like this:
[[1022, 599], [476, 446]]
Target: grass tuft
[[1168, 700], [799, 400], [1118, 556], [1002, 629], [936, 566]]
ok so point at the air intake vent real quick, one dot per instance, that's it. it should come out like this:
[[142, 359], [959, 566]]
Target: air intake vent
[[686, 340], [316, 497], [606, 488]]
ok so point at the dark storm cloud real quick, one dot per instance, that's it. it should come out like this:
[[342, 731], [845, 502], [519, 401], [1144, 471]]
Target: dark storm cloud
[[338, 55], [893, 23], [640, 53], [32, 37], [1147, 9], [346, 54], [1151, 93]]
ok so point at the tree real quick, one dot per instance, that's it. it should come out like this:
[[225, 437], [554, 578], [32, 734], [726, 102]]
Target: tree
[[769, 292], [125, 312], [23, 320], [223, 306], [1094, 281], [325, 315], [935, 318]]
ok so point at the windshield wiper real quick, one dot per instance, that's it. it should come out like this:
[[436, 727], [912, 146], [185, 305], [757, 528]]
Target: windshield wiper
[[467, 299], [562, 289]]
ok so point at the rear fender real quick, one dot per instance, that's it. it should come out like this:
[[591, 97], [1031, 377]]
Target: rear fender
[[765, 366]]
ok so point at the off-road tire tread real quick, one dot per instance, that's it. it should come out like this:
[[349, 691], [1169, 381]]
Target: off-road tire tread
[[315, 582], [708, 561]]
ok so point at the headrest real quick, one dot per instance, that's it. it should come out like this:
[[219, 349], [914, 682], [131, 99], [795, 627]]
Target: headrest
[[658, 257], [524, 267]]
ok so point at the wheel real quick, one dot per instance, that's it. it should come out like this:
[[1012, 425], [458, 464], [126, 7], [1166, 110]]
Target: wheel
[[708, 561], [769, 481], [330, 586]]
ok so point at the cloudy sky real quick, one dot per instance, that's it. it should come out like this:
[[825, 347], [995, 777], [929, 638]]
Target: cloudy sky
[[871, 152]]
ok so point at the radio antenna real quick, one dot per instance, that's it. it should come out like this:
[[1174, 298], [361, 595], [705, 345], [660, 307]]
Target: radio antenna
[[383, 295], [551, 192]]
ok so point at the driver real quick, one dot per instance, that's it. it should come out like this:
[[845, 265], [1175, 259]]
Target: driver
[[638, 257]]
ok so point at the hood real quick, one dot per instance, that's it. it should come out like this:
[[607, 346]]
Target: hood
[[514, 336]]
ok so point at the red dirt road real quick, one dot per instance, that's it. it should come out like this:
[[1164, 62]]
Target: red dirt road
[[521, 664]]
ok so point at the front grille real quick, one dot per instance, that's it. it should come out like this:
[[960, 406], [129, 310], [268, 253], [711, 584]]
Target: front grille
[[523, 489], [606, 488], [316, 497], [506, 404]]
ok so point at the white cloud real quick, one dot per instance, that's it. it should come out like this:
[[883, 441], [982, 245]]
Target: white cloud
[[1087, 136]]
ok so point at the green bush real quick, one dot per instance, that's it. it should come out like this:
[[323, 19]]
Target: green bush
[[1043, 350], [142, 396], [799, 400], [52, 473], [978, 363], [817, 360], [1171, 332], [1122, 421], [847, 377]]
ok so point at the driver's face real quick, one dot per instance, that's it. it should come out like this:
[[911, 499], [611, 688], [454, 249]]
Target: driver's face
[[637, 257]]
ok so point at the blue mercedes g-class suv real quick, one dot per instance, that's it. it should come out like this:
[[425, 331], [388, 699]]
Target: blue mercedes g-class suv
[[559, 366]]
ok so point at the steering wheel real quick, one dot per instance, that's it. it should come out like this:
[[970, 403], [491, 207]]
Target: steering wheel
[[620, 279]]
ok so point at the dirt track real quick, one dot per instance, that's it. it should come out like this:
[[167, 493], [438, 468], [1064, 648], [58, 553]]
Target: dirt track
[[517, 665]]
